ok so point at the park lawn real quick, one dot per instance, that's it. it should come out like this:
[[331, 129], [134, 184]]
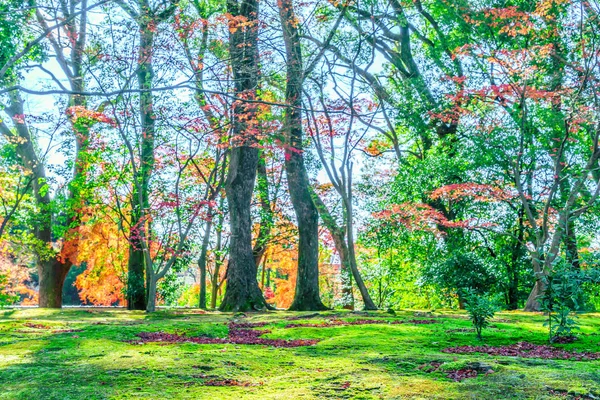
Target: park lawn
[[96, 354]]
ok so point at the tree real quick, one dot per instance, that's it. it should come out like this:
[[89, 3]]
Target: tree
[[307, 285], [242, 292], [147, 18], [325, 130]]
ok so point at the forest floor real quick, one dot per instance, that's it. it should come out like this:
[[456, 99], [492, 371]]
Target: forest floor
[[103, 353]]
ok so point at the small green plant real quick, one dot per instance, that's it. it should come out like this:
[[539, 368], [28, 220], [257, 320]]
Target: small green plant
[[561, 300], [481, 309]]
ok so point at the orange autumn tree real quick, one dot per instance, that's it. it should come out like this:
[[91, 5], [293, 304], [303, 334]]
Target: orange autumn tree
[[16, 274], [281, 257], [104, 250], [284, 261]]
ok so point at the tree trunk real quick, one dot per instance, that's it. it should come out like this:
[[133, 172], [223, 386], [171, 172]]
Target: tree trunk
[[202, 261], [136, 291], [513, 288], [307, 296], [341, 248], [136, 287], [532, 303], [52, 276], [151, 304], [218, 261], [539, 287], [266, 212], [52, 273], [512, 269], [242, 292], [571, 249], [345, 274], [369, 304]]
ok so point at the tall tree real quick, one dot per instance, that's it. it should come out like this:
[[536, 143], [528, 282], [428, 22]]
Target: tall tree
[[68, 45], [147, 18], [242, 291], [307, 285]]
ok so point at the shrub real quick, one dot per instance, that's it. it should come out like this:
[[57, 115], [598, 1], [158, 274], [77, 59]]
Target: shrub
[[462, 272], [481, 309], [561, 301], [5, 297]]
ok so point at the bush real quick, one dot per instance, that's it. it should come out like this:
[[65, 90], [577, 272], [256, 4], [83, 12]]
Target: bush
[[461, 273], [481, 309], [561, 301], [5, 297], [190, 296]]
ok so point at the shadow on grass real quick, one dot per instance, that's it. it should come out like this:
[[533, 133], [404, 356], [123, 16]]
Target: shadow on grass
[[374, 361]]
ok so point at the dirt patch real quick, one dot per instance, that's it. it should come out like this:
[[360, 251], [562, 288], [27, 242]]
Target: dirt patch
[[565, 339], [462, 374], [238, 334], [471, 370], [66, 330], [430, 367], [36, 326], [525, 349]]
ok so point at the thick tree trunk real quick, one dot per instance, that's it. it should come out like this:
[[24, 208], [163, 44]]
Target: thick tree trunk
[[242, 291], [539, 287], [307, 296], [533, 303], [151, 304], [136, 287], [52, 276]]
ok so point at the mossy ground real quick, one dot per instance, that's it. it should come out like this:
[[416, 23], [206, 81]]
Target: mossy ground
[[41, 359]]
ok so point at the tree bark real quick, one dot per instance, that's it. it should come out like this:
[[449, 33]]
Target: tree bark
[[53, 270], [215, 282], [202, 262], [266, 212], [571, 248], [368, 302], [342, 249], [533, 303], [52, 274], [242, 292], [513, 270], [306, 297], [539, 287], [136, 290], [151, 303]]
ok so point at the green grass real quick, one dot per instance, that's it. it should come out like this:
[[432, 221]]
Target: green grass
[[353, 362]]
